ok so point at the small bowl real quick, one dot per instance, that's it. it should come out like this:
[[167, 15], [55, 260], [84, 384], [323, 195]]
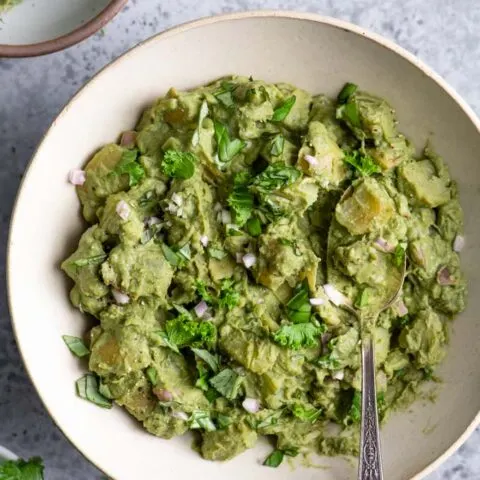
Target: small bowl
[[38, 27], [316, 53]]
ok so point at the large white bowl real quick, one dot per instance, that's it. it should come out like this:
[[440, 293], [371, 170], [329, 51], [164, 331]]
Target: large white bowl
[[318, 54]]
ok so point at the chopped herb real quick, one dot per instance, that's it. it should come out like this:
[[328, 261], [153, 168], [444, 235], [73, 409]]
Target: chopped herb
[[225, 94], [203, 376], [276, 176], [213, 361], [254, 227], [226, 148], [400, 373], [229, 297], [177, 164], [227, 383], [241, 202], [233, 230], [362, 298], [242, 178], [269, 421], [355, 412], [405, 320], [211, 394], [399, 255], [185, 252], [381, 400], [349, 113], [128, 165], [76, 346], [152, 375], [200, 420], [203, 291], [163, 335], [223, 421], [277, 145], [217, 253], [148, 200], [346, 92], [172, 257], [363, 164], [274, 459], [308, 414], [94, 260], [299, 309], [87, 388], [201, 117], [183, 331], [283, 110], [300, 335], [22, 469], [150, 233]]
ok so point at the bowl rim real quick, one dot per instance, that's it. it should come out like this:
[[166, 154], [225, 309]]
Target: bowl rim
[[202, 22], [6, 454], [67, 40]]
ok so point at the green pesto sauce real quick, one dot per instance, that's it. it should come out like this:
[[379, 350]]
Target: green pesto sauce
[[207, 238]]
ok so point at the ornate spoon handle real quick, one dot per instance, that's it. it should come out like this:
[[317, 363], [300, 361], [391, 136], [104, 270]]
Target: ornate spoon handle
[[370, 464]]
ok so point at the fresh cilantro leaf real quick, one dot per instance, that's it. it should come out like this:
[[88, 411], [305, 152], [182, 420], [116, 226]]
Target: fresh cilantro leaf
[[399, 255], [308, 414], [223, 421], [202, 290], [177, 164], [364, 165], [202, 115], [277, 145], [362, 298], [76, 346], [128, 165], [346, 92], [200, 420], [227, 383], [213, 361], [300, 335], [150, 232], [283, 110], [274, 459], [276, 176], [241, 202], [299, 309], [226, 148], [152, 375], [22, 469], [217, 253], [356, 407], [229, 297], [94, 260], [254, 227], [87, 388], [183, 331]]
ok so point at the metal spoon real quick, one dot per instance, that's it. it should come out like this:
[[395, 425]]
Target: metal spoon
[[370, 461]]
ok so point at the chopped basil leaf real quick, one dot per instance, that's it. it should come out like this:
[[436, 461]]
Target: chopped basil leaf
[[270, 420], [276, 176], [345, 93], [242, 178], [163, 335], [200, 420], [225, 97], [185, 252], [217, 253], [399, 255], [213, 361], [274, 459], [300, 335], [362, 298], [22, 469], [223, 421], [241, 202], [362, 164], [128, 165], [177, 164], [152, 375], [76, 346], [87, 388], [203, 376], [226, 148], [299, 309], [254, 227], [172, 257], [283, 110], [277, 145], [94, 260], [309, 414], [227, 383]]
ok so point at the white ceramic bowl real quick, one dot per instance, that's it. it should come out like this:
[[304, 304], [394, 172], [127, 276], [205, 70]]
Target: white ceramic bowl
[[6, 455], [316, 53]]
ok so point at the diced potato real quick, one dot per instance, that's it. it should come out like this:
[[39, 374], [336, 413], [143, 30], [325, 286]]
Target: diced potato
[[138, 400], [367, 209], [164, 425], [392, 153]]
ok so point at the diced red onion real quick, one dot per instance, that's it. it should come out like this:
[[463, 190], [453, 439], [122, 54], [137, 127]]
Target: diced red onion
[[383, 245], [335, 296], [180, 415], [128, 138], [338, 375], [251, 405], [120, 297], [153, 221], [201, 309], [225, 216], [77, 177], [163, 395], [249, 260], [177, 199], [204, 240], [444, 277], [311, 160], [400, 308], [317, 301], [458, 243], [122, 209]]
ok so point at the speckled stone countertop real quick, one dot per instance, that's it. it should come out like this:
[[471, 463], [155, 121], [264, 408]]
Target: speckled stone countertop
[[444, 33]]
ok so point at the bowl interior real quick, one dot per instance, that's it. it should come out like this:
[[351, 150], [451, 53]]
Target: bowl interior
[[35, 21], [305, 51]]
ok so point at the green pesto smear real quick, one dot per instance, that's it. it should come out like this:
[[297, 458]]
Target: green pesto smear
[[205, 265]]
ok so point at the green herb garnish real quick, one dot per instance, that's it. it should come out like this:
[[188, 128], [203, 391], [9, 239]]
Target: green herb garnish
[[308, 414], [241, 202], [355, 412], [217, 253], [276, 176], [277, 145], [277, 456], [300, 335], [346, 92], [203, 291], [254, 227], [152, 375], [94, 260], [362, 298], [128, 165], [283, 110], [223, 421], [200, 420], [177, 164], [299, 309], [229, 297], [76, 346], [183, 331], [87, 388], [399, 255], [363, 164], [22, 469], [226, 148], [227, 383], [213, 361]]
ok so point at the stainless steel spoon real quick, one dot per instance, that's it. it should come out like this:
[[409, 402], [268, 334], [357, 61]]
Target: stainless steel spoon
[[370, 461]]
